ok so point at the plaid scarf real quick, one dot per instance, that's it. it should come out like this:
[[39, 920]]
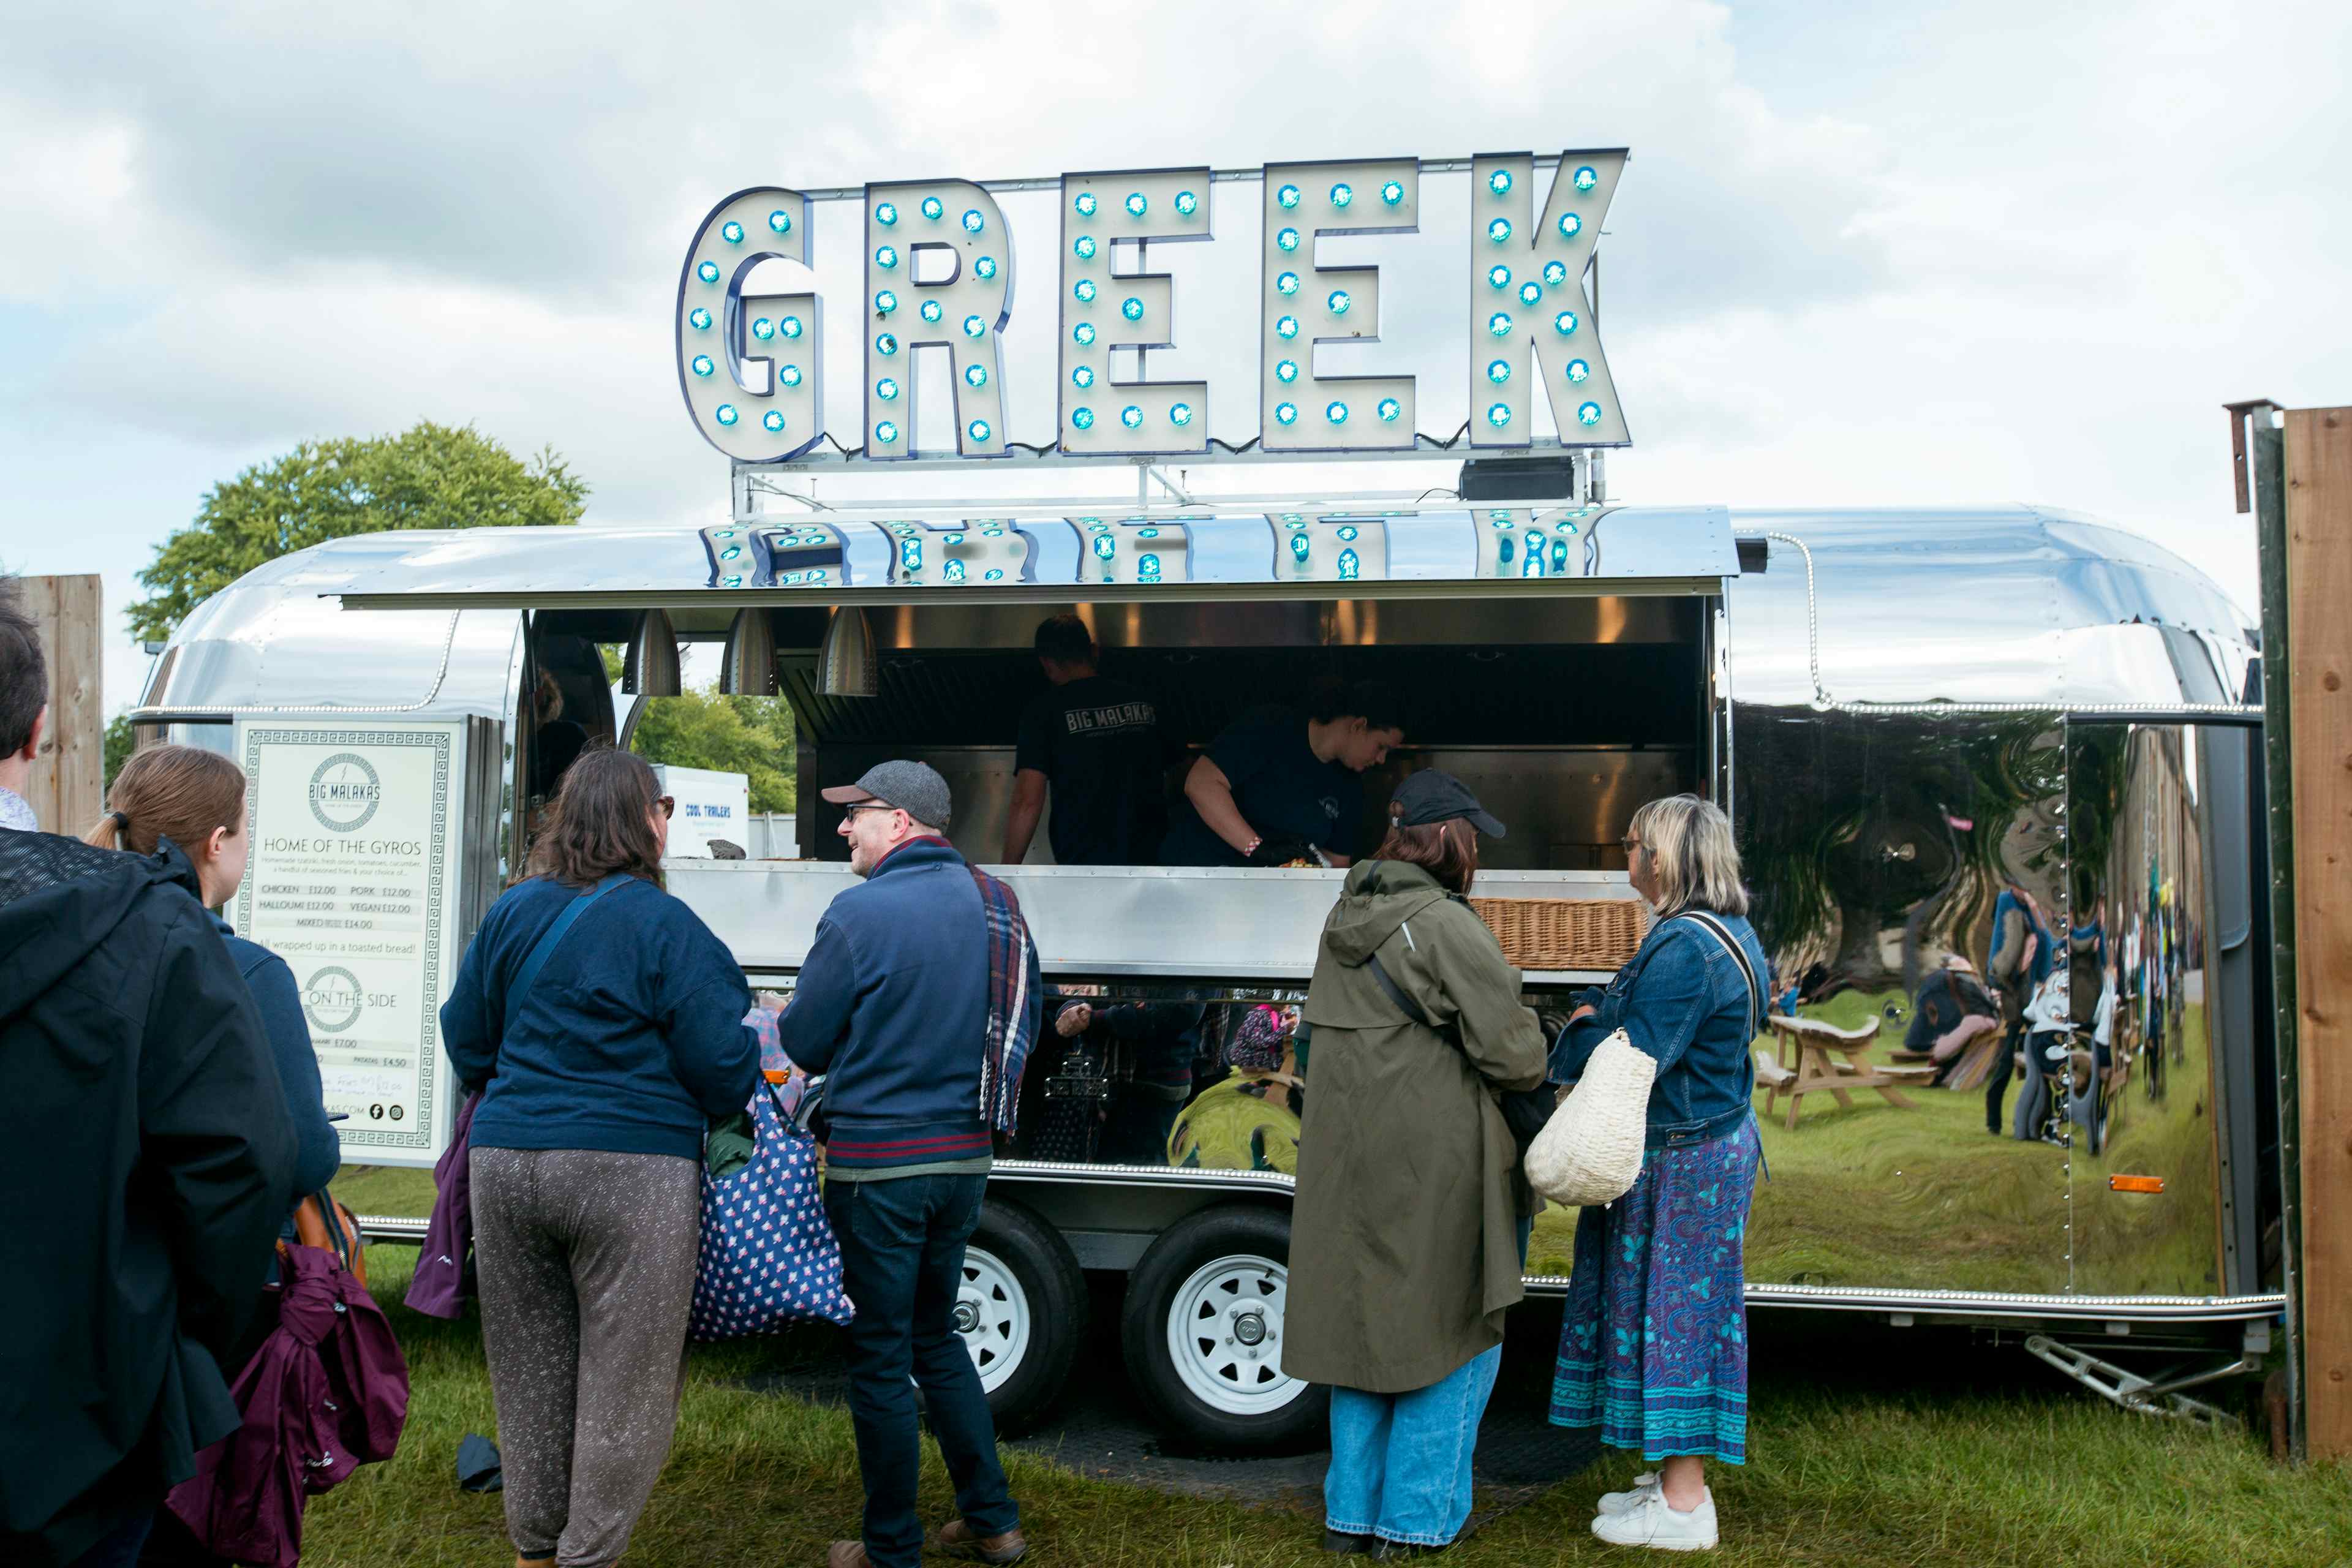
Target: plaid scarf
[[1014, 1003]]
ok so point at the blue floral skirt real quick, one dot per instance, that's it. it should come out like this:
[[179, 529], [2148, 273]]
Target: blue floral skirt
[[1653, 1350]]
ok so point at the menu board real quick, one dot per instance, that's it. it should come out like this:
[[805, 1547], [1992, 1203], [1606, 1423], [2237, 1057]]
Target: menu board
[[355, 882]]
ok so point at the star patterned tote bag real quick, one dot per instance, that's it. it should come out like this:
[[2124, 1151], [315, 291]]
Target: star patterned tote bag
[[769, 1258]]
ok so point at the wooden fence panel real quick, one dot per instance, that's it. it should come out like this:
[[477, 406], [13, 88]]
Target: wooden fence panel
[[69, 772]]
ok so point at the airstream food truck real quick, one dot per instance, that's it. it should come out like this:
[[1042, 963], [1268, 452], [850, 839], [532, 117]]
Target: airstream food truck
[[1918, 719]]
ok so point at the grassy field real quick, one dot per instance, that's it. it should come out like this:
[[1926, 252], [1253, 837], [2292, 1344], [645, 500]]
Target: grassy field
[[1875, 1448]]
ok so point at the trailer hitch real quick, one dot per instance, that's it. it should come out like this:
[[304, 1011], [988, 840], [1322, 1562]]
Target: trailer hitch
[[2160, 1395]]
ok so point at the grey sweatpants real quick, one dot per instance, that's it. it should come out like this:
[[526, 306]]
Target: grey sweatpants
[[586, 1263]]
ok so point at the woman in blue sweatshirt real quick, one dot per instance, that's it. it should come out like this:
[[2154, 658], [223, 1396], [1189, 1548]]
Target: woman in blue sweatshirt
[[603, 1049]]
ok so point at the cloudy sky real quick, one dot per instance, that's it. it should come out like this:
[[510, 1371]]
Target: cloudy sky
[[1904, 253]]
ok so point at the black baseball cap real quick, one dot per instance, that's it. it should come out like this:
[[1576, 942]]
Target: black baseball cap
[[1434, 795]]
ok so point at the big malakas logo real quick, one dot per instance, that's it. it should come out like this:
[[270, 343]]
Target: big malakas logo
[[332, 999], [345, 792]]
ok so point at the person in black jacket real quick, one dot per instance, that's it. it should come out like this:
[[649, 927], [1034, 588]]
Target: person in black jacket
[[139, 1103]]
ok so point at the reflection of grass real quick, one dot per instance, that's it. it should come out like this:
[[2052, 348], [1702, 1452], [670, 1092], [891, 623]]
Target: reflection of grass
[[1879, 1196], [2163, 1243]]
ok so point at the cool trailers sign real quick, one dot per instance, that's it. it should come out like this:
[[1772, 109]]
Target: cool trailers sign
[[752, 364]]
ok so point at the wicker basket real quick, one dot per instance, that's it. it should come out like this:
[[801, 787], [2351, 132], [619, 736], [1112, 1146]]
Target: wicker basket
[[1566, 933]]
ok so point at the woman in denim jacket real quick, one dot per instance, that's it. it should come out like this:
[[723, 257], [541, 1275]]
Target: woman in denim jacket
[[1653, 1350]]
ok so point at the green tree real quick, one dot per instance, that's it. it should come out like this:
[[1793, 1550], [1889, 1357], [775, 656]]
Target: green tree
[[434, 475], [118, 741], [701, 728]]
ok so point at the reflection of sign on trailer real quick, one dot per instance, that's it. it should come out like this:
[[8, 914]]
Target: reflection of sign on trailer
[[354, 881], [709, 805]]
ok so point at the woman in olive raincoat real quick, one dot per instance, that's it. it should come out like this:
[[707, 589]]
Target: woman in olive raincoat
[[1404, 1250]]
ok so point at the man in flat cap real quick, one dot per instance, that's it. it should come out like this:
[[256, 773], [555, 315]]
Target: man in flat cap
[[918, 1002]]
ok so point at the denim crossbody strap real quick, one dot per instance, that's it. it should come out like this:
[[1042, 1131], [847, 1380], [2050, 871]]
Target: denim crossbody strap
[[527, 975], [1755, 1011]]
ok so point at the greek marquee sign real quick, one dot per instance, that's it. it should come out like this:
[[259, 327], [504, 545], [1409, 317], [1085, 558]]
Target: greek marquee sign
[[751, 364]]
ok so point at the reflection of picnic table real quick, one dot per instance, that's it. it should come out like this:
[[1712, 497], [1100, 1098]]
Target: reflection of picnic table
[[1817, 1056]]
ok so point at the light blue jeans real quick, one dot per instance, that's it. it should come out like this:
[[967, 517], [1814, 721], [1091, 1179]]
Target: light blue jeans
[[1401, 1462]]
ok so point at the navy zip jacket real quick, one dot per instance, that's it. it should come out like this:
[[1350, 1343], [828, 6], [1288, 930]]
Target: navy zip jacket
[[892, 1008], [632, 1040]]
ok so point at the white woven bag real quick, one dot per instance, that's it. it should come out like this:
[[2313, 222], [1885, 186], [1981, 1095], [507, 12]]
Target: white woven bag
[[1590, 1150]]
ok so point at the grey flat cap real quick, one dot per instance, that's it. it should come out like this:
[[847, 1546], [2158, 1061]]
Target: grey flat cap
[[912, 788]]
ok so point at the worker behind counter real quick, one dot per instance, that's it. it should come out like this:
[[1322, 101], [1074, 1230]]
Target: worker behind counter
[[1097, 742], [1278, 782]]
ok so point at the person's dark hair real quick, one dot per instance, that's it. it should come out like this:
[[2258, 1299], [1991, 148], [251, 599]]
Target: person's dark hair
[[1446, 850], [1063, 638], [600, 821], [1371, 701], [24, 673]]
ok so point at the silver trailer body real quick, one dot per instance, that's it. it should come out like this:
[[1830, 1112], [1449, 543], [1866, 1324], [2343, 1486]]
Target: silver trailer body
[[1908, 712]]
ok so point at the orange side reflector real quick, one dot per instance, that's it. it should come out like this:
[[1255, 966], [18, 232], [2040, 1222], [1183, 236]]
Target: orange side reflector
[[2135, 1184], [774, 1076]]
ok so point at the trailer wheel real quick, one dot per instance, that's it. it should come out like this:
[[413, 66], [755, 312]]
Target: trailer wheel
[[1022, 1310], [1203, 1328]]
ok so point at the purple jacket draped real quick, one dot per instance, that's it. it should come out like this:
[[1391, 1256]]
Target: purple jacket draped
[[437, 1288], [327, 1393]]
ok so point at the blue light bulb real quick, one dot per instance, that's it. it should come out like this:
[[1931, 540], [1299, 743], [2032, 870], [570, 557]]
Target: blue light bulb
[[1135, 204], [1130, 416], [910, 555], [702, 365], [1554, 273], [985, 269], [931, 207], [1498, 276], [1349, 533], [885, 301], [975, 376], [1560, 554], [1578, 373], [886, 214], [1499, 181], [698, 318], [1498, 415], [1084, 418], [931, 311], [884, 343], [1498, 371], [1083, 378], [1287, 239], [1085, 203], [1287, 371], [790, 375], [1589, 414], [1287, 326], [951, 539], [763, 329], [1187, 203], [1351, 566], [977, 430], [732, 232], [772, 420], [1337, 303], [1178, 414], [885, 255], [1287, 284], [724, 413], [973, 326], [993, 573], [1530, 293], [1505, 548], [1286, 413], [1147, 568], [1131, 308], [1533, 561], [790, 326], [1336, 412], [1299, 546], [1085, 333], [707, 272], [973, 222], [1153, 532], [1085, 248], [1341, 195], [1389, 409], [1499, 324], [887, 390], [886, 432], [781, 221], [1392, 193], [1287, 197], [1084, 290], [952, 570], [1571, 226], [1499, 230], [1564, 324], [1104, 546], [1586, 177]]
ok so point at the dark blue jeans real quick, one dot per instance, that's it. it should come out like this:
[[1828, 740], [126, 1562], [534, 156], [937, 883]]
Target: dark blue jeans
[[902, 1263]]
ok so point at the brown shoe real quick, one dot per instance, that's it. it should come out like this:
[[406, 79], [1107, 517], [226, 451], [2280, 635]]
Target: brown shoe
[[958, 1537], [847, 1555]]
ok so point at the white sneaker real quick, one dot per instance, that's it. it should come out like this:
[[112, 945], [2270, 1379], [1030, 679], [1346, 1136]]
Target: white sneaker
[[1654, 1522], [1618, 1502]]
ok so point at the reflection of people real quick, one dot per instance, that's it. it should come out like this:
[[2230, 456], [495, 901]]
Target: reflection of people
[[904, 999], [1402, 1267], [1654, 1347], [2019, 961], [605, 1058], [1952, 1009], [1278, 783], [1162, 1037], [1097, 742]]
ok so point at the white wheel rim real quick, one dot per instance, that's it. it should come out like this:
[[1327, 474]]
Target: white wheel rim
[[1225, 1335], [992, 1314]]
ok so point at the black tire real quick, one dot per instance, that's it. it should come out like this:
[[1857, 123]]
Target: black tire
[[1051, 1298], [1290, 1415]]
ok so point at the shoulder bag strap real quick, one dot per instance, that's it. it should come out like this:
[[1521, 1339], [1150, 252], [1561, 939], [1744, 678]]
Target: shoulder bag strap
[[1404, 1003], [527, 975], [1722, 933]]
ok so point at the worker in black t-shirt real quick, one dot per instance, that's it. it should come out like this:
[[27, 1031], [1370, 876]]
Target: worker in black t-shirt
[[1278, 782], [1097, 742]]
